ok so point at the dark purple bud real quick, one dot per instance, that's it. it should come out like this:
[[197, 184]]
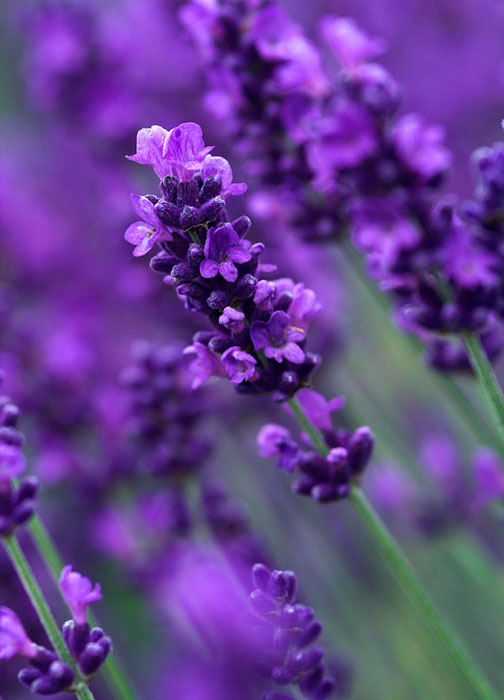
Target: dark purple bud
[[62, 674], [195, 254], [211, 188], [325, 493], [29, 675], [310, 634], [167, 212], [310, 658], [211, 210], [303, 485], [220, 343], [76, 637], [360, 449], [184, 271], [283, 675], [10, 415], [11, 436], [194, 291], [44, 659], [169, 187], [91, 658], [163, 262], [218, 300], [96, 634], [28, 488], [188, 193], [189, 217], [241, 225], [245, 288], [324, 690], [261, 576], [23, 512], [45, 685], [310, 681], [283, 302]]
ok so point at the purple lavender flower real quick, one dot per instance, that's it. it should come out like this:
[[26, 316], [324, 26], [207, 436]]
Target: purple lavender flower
[[205, 365], [276, 441], [78, 592], [175, 153], [325, 479], [421, 147], [146, 233], [216, 270], [223, 249], [47, 674], [240, 365], [278, 338], [13, 638], [351, 46]]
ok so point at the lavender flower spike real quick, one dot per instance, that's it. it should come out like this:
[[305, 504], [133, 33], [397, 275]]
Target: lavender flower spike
[[78, 592]]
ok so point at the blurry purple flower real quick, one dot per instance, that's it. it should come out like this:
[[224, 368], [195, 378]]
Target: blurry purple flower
[[178, 152], [13, 638], [421, 146], [488, 475], [232, 319], [12, 461], [205, 365], [346, 139], [146, 233], [276, 441], [78, 592], [304, 305], [390, 489], [240, 366], [278, 338], [441, 460], [383, 231], [348, 42], [318, 408], [467, 264], [218, 166], [223, 249]]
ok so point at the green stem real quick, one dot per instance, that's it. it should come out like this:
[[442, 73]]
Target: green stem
[[113, 674], [403, 571], [33, 591], [487, 379]]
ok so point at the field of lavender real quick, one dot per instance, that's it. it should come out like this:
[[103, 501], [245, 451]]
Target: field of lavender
[[251, 334]]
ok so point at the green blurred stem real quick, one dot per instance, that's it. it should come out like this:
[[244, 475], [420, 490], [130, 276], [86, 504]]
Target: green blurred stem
[[113, 674], [50, 625], [487, 379], [403, 572]]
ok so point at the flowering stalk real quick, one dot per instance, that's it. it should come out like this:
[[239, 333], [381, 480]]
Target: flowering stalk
[[112, 671], [402, 570], [33, 591], [487, 379]]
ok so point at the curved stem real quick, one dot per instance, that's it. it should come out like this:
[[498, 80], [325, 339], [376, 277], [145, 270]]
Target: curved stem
[[487, 379], [113, 674], [405, 575], [45, 615], [403, 571]]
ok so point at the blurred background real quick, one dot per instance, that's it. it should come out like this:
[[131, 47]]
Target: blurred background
[[79, 80]]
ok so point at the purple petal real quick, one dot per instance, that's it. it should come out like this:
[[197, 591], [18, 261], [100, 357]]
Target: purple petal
[[293, 353], [239, 255], [135, 233], [228, 271], [145, 209], [208, 268]]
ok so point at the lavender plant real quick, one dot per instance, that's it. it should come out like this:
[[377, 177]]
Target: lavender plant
[[335, 158], [259, 348]]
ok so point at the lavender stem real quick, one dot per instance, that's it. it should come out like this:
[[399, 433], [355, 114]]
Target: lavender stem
[[403, 571]]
